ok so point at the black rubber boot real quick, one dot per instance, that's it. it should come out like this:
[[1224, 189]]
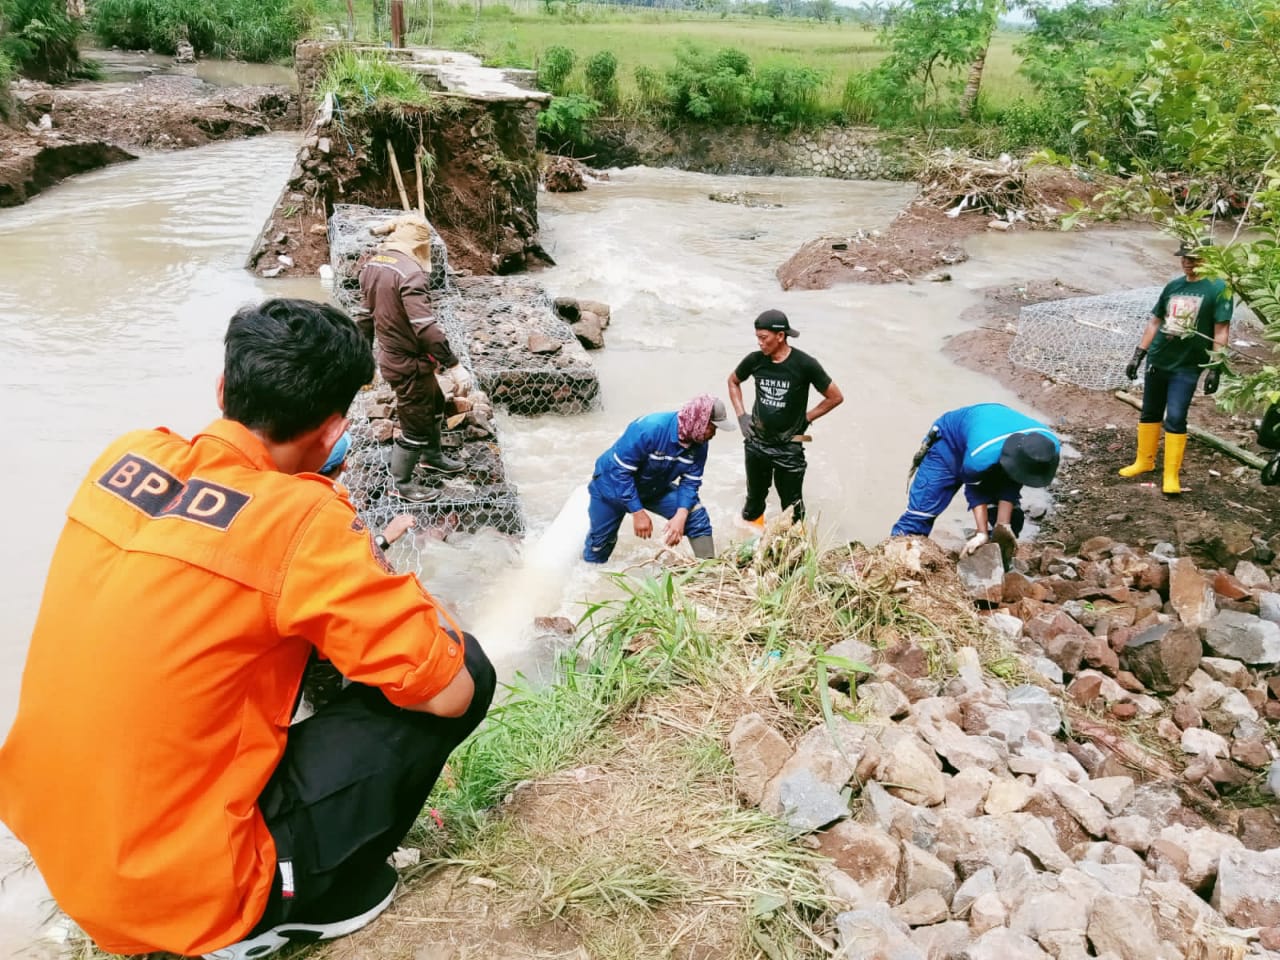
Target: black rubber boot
[[403, 460], [435, 458], [704, 548]]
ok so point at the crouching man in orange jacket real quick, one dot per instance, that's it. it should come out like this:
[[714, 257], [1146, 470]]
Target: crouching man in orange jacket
[[152, 769]]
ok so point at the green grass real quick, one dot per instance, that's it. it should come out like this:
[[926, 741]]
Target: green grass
[[516, 35]]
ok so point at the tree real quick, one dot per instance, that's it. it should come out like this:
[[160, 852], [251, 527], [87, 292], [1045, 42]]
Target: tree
[[931, 36], [989, 15]]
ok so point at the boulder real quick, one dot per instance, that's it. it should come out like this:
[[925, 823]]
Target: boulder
[[1190, 594], [1269, 606], [1061, 638], [1002, 944], [807, 803], [925, 908], [875, 932], [980, 882], [867, 855], [921, 871], [1136, 833], [908, 772], [882, 700], [1114, 792], [987, 913], [1164, 656], [1247, 891], [982, 574], [1006, 796], [589, 330], [943, 941], [1242, 636], [1124, 927], [1038, 706], [758, 753]]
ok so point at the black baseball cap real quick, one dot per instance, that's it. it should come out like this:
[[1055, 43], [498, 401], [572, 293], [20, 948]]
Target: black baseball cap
[[1193, 248], [776, 321]]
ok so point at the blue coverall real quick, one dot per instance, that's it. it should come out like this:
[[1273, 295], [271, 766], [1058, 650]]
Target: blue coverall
[[967, 449], [647, 468]]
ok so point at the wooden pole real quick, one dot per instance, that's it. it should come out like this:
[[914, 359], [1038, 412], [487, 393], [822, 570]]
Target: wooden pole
[[417, 164], [397, 23], [395, 169], [1204, 436]]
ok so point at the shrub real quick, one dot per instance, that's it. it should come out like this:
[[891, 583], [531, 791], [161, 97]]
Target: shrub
[[601, 71], [38, 38], [564, 122], [254, 30], [7, 73], [554, 68], [787, 96], [1042, 124], [368, 78], [879, 97]]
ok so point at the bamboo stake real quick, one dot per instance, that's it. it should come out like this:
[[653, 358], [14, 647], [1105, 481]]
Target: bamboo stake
[[395, 169], [1204, 436], [417, 164]]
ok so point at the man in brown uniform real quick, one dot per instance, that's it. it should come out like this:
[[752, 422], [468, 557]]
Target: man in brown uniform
[[412, 347]]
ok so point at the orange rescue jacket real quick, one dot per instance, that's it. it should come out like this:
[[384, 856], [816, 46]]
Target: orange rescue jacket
[[187, 589]]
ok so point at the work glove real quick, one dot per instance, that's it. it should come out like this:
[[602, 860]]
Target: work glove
[[1131, 370], [1211, 381], [744, 424], [456, 381], [973, 543]]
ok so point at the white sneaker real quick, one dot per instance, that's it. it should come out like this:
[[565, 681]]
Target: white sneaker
[[369, 900]]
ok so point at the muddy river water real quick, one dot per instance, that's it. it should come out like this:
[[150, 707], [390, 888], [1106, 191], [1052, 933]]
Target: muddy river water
[[115, 289]]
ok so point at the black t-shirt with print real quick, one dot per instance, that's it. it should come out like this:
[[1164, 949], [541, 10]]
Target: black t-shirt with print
[[782, 392]]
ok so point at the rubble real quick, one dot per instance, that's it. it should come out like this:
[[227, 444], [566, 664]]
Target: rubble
[[1066, 811]]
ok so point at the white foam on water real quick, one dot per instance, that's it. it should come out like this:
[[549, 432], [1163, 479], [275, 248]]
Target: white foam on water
[[534, 587]]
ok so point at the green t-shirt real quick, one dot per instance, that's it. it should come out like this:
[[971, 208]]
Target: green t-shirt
[[1190, 310]]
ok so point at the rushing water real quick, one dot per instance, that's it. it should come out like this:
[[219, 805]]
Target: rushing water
[[115, 289]]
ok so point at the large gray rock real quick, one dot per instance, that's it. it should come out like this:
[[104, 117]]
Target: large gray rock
[[1247, 891], [943, 941], [921, 871], [875, 934], [1038, 706], [1087, 809], [808, 803], [1243, 636], [982, 574], [1269, 606], [829, 754], [1002, 944], [1163, 656], [980, 882]]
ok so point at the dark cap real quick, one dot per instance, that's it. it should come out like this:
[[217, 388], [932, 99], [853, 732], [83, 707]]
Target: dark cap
[[1193, 248], [720, 416], [776, 321], [1029, 459]]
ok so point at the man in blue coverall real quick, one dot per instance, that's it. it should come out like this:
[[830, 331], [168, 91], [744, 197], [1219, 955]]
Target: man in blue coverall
[[656, 465], [992, 451]]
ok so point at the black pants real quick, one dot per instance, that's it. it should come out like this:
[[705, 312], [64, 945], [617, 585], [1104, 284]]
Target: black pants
[[353, 779], [419, 400], [765, 470]]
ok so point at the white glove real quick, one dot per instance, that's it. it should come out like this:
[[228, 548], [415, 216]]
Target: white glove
[[463, 382], [974, 542]]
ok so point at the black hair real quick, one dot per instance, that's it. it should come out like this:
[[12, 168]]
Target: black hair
[[290, 364]]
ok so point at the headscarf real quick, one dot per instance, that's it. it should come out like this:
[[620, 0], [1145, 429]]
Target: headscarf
[[694, 417], [410, 234]]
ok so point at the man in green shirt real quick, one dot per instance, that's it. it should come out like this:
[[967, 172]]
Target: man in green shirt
[[1191, 315]]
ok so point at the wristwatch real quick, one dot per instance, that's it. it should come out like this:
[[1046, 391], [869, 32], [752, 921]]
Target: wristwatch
[[381, 542]]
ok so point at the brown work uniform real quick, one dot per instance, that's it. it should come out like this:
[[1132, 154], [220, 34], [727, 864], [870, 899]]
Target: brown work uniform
[[411, 344]]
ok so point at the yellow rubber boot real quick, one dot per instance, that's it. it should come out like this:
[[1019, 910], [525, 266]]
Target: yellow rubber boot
[[1148, 444], [1175, 445]]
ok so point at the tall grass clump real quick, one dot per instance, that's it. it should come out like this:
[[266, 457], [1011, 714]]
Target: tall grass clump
[[554, 68], [601, 74], [253, 30], [369, 78], [38, 39]]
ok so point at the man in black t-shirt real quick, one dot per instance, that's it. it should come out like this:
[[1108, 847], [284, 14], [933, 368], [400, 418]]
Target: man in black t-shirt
[[780, 416]]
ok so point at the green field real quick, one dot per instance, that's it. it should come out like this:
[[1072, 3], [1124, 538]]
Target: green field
[[516, 35]]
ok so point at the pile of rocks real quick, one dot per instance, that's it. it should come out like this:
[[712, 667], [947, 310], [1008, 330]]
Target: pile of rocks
[[986, 819], [588, 319]]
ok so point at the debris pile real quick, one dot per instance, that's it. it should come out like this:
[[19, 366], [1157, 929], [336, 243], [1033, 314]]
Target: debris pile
[[1095, 778]]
